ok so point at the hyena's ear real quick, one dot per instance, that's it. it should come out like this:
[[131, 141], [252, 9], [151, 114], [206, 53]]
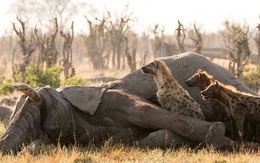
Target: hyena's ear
[[199, 72], [217, 84], [156, 63]]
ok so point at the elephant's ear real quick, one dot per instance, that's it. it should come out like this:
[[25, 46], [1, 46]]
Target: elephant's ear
[[86, 99]]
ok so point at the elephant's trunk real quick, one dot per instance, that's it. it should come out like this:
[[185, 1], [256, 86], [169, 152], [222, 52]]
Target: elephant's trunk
[[24, 127], [11, 142]]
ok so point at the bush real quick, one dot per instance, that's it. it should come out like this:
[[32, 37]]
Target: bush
[[252, 79], [76, 80], [5, 86], [36, 77]]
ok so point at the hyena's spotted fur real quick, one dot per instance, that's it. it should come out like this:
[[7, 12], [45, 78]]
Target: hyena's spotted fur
[[170, 93], [243, 106], [202, 80]]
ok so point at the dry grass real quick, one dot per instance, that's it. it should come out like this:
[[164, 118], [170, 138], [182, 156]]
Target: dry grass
[[108, 153], [120, 153]]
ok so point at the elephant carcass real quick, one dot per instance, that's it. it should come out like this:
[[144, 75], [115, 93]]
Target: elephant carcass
[[182, 66], [123, 112], [50, 116]]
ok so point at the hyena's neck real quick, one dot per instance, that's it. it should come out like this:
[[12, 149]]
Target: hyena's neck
[[165, 78], [202, 87], [224, 96], [205, 85]]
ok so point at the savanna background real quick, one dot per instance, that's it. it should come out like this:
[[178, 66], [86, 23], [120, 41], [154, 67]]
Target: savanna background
[[76, 42]]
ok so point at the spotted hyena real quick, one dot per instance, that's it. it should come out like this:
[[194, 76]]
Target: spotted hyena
[[170, 93], [202, 80], [243, 106]]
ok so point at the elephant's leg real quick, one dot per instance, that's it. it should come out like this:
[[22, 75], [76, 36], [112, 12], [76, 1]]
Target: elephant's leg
[[163, 139], [148, 116]]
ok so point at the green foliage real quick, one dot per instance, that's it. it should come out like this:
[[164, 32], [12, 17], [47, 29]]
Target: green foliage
[[252, 79], [81, 159], [76, 80], [17, 75], [36, 77], [5, 86]]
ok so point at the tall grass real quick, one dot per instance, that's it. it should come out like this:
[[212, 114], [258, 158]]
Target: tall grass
[[121, 153]]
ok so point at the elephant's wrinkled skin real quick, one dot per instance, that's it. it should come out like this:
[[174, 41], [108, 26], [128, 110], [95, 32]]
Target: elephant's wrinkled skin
[[125, 112]]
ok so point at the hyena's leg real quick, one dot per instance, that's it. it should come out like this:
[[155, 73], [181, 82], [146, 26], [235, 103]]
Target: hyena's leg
[[252, 132], [239, 126], [233, 129]]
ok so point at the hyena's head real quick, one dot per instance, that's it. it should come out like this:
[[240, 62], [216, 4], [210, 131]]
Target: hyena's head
[[212, 91], [152, 67], [201, 79]]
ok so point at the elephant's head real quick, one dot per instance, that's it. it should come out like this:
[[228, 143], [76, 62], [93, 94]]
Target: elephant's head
[[25, 122], [47, 113]]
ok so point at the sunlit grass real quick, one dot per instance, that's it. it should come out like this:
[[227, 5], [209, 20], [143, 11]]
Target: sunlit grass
[[121, 153]]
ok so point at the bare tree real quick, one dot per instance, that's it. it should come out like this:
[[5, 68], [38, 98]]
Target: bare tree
[[238, 48], [96, 42], [45, 11], [51, 46], [158, 46], [15, 69], [130, 51], [67, 52], [145, 48], [180, 36], [161, 48], [41, 46], [47, 51], [7, 43], [107, 36], [257, 40], [196, 37], [117, 30], [27, 47]]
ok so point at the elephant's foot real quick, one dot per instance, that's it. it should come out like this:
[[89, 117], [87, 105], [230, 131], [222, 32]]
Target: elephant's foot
[[216, 134], [227, 144], [216, 138], [163, 139]]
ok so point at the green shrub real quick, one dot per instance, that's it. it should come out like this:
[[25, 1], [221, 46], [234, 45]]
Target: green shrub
[[76, 80], [36, 77], [85, 159], [5, 86], [251, 79]]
